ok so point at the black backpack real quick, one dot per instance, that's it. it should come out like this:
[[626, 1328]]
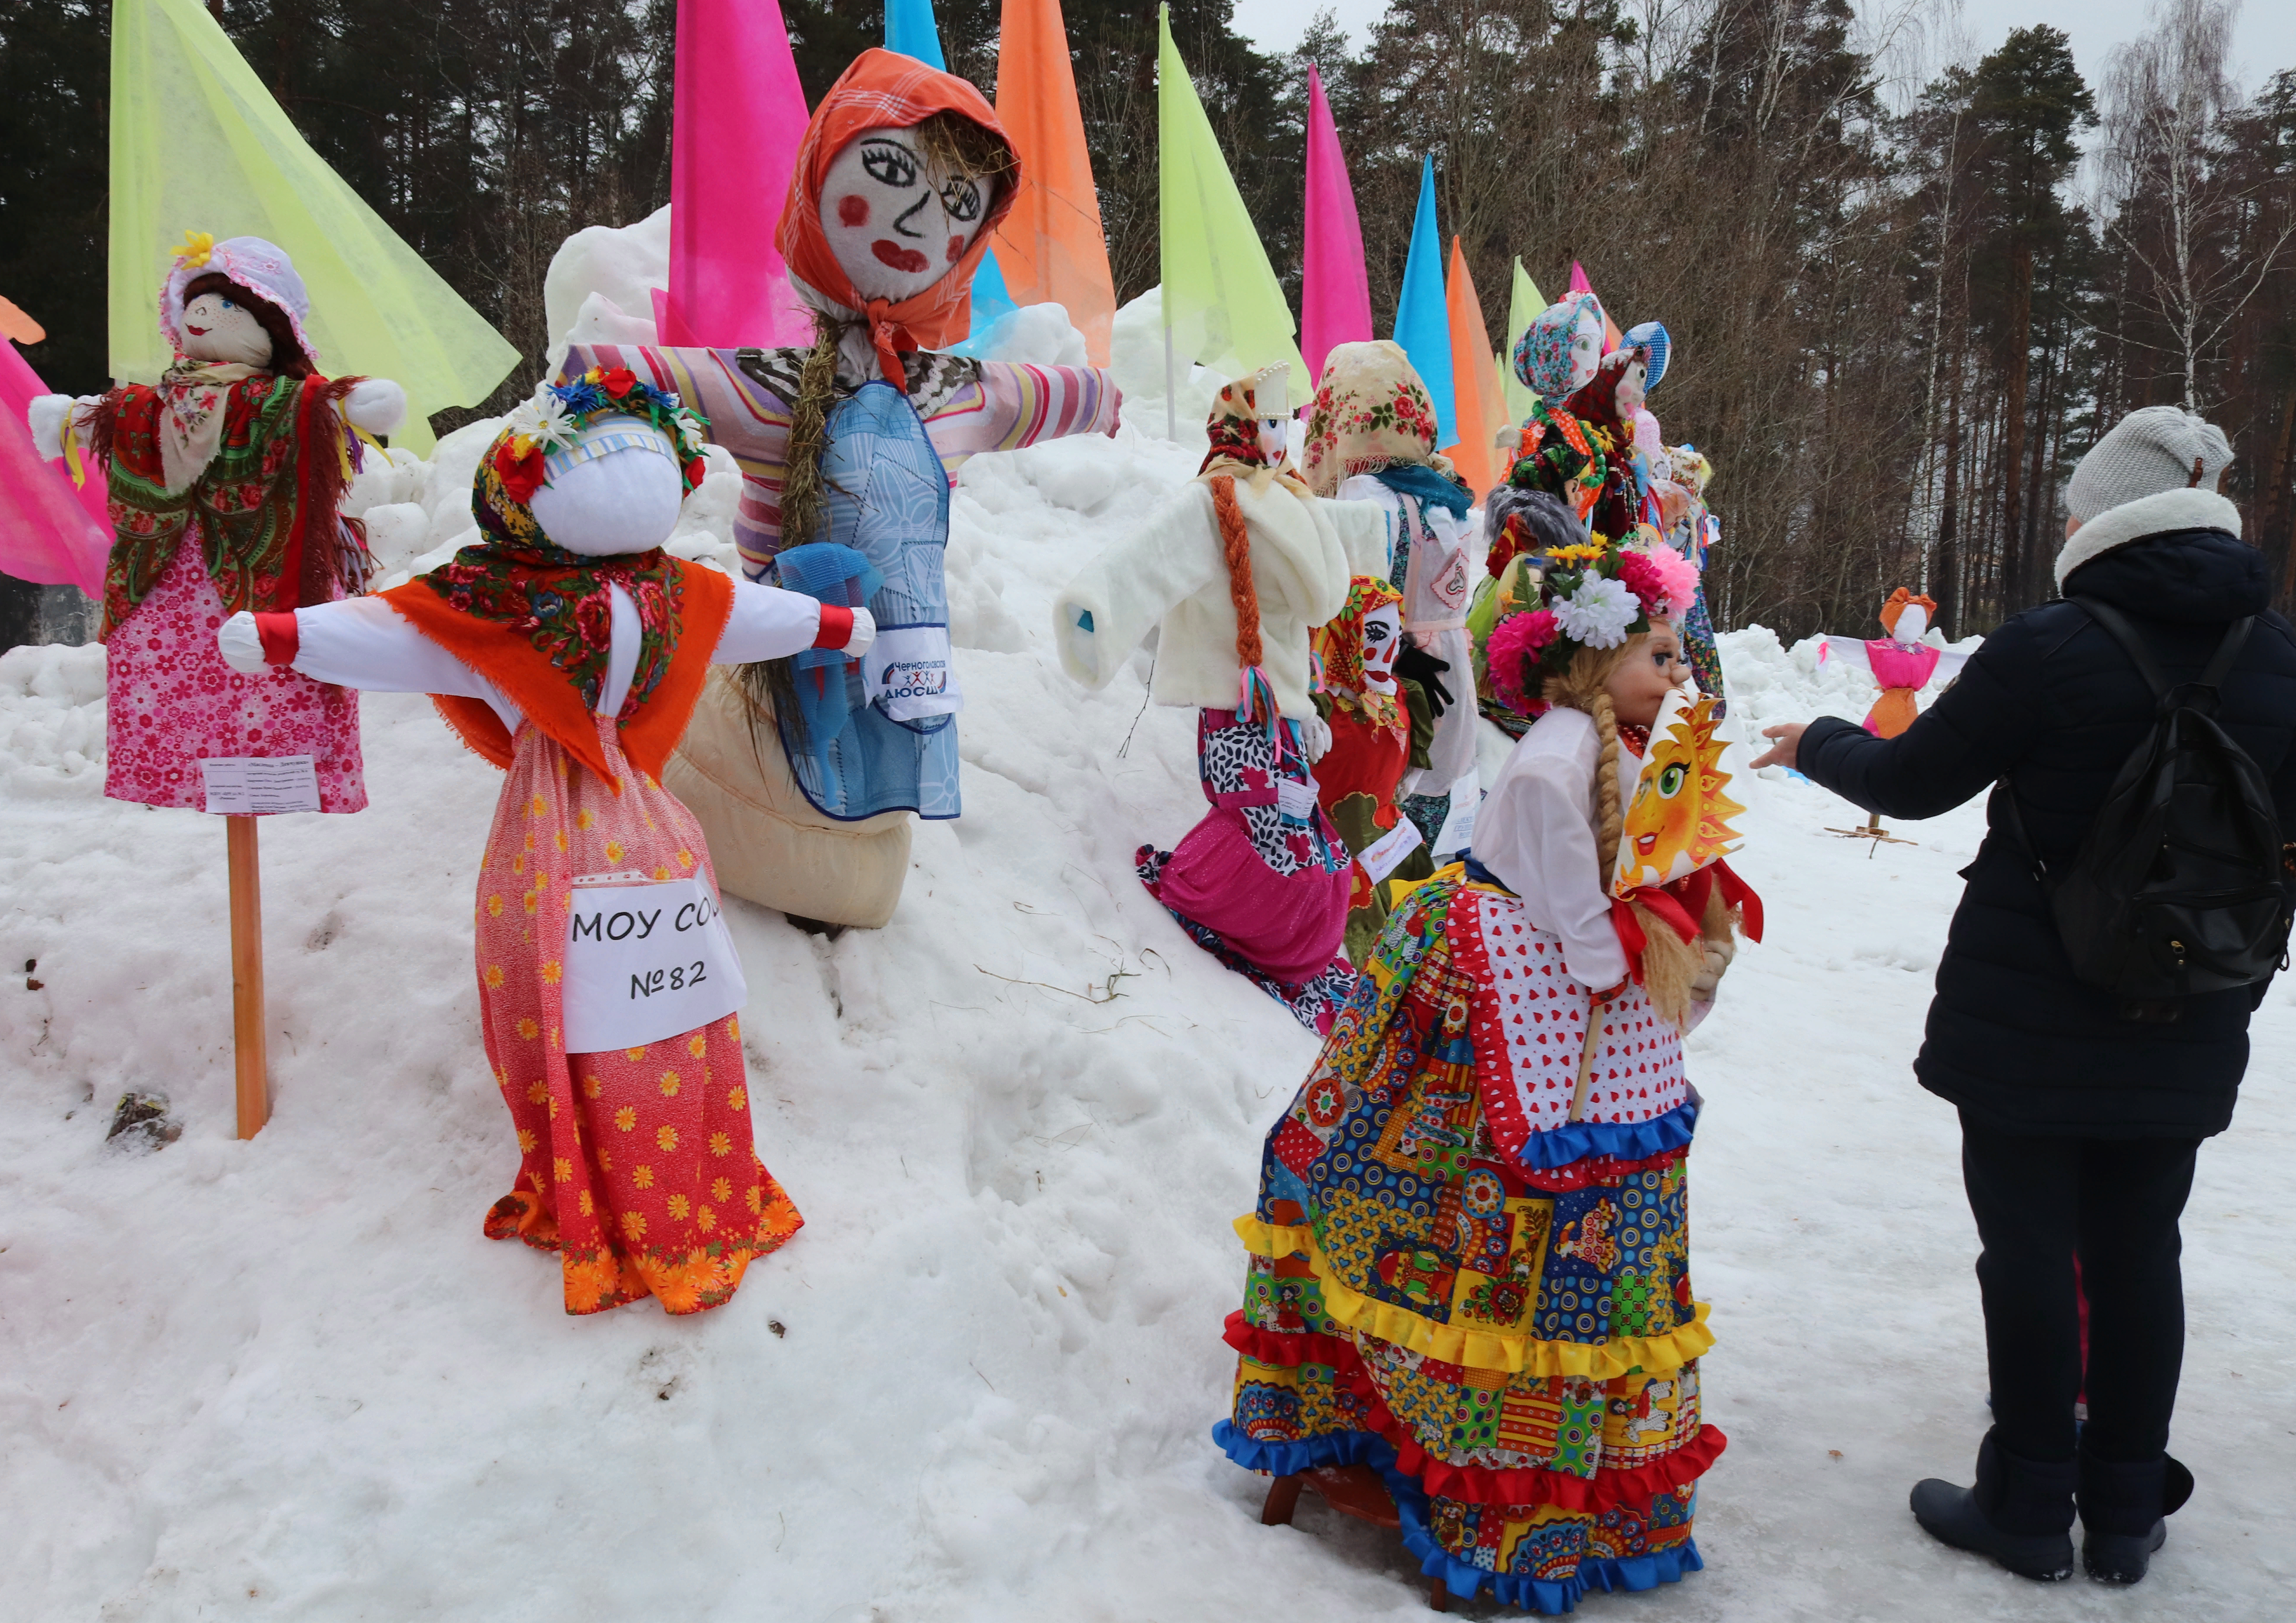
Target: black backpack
[[2177, 889]]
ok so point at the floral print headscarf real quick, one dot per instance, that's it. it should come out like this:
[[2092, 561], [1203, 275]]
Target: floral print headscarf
[[1371, 412], [1557, 353], [1233, 426]]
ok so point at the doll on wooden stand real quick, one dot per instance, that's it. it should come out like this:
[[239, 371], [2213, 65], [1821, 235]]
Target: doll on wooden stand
[[1902, 664], [568, 649]]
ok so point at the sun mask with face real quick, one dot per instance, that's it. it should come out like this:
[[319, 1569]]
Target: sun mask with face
[[1678, 821], [897, 220]]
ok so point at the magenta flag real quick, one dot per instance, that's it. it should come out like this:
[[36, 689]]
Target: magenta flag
[[49, 532], [1334, 292], [738, 115]]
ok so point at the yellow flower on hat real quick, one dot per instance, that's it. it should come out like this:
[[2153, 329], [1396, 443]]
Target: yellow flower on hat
[[198, 248]]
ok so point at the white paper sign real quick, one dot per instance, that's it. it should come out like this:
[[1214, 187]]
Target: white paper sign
[[255, 785], [1380, 857], [1458, 830], [645, 962], [1295, 799], [909, 675]]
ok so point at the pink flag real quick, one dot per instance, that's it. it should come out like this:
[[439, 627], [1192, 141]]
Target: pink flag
[[49, 533], [1335, 293], [738, 115]]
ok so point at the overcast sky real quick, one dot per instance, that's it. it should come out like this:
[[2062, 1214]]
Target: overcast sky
[[2266, 39]]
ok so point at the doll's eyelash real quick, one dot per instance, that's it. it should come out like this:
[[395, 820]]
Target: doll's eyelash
[[891, 165], [961, 198]]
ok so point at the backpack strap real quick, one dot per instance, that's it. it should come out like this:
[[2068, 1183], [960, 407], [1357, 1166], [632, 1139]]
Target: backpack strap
[[2220, 666]]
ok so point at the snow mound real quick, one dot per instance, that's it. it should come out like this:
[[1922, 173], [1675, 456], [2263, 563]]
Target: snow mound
[[288, 1377]]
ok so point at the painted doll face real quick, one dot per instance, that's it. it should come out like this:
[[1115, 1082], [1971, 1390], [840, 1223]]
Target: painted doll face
[[218, 327], [1633, 388], [1586, 348], [894, 223], [1383, 640], [1274, 438]]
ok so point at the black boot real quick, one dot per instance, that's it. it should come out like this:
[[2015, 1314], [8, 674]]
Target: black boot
[[2020, 1513], [2122, 1512]]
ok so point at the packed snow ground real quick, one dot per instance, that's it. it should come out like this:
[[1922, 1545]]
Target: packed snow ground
[[290, 1379]]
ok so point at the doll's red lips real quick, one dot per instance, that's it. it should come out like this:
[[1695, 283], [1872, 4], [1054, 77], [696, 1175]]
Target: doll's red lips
[[899, 258], [197, 331], [1644, 844]]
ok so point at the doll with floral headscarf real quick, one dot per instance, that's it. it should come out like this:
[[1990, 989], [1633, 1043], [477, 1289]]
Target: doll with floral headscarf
[[902, 178], [1235, 571], [1468, 1290], [226, 481], [1371, 438], [1898, 661], [569, 650]]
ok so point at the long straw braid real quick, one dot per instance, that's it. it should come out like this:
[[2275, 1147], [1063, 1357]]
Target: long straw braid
[[1236, 543], [771, 684]]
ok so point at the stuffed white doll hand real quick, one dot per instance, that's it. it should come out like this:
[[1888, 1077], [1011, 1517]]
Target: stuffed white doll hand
[[1316, 738], [864, 632], [241, 647], [378, 405], [46, 416]]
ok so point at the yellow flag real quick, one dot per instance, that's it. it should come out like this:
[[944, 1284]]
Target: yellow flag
[[198, 145], [1222, 303], [1524, 304]]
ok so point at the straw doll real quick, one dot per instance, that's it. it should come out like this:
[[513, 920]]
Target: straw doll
[[568, 649], [225, 479], [903, 175], [1468, 1303]]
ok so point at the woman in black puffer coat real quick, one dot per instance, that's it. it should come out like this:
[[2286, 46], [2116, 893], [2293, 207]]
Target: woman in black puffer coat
[[2080, 1124]]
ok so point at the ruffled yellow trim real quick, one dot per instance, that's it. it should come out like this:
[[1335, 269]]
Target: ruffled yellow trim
[[1512, 1352], [1273, 1240]]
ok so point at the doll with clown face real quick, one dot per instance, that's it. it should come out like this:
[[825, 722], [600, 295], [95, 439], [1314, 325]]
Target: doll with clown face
[[224, 481], [808, 781], [569, 650]]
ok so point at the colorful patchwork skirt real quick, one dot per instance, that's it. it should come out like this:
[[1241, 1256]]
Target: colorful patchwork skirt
[[1454, 1282], [636, 1166]]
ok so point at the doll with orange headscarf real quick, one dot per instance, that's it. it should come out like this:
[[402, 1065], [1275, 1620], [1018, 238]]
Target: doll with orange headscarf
[[807, 774], [1899, 661]]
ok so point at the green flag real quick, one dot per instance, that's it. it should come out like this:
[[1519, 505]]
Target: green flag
[[198, 144], [1523, 307], [1222, 303]]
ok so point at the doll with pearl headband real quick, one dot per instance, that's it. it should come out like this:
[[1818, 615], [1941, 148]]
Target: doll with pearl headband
[[226, 482], [568, 649]]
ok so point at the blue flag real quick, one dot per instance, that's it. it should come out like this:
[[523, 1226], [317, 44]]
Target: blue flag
[[1422, 319], [910, 29]]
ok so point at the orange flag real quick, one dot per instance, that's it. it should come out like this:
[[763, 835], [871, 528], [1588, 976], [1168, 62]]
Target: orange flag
[[1050, 246], [1477, 399]]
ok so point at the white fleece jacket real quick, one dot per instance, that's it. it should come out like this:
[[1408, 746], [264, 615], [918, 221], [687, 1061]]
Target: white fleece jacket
[[1172, 571]]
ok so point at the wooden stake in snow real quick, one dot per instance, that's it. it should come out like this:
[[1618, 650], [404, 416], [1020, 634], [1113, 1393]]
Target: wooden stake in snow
[[1597, 1013], [247, 978]]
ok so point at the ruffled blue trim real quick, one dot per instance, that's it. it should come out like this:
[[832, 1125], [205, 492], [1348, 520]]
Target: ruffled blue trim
[[1289, 1459], [1552, 1598], [1575, 1140]]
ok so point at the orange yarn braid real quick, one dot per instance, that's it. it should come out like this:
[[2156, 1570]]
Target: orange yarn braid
[[1235, 542]]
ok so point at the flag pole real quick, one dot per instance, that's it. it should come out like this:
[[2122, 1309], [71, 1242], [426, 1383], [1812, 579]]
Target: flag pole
[[247, 978], [1171, 390]]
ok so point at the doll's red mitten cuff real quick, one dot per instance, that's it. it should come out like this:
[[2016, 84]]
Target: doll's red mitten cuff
[[836, 627], [280, 637]]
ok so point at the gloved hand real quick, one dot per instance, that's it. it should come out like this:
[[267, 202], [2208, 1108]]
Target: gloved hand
[[1417, 665], [864, 632], [1316, 738], [241, 647], [1719, 951], [376, 405]]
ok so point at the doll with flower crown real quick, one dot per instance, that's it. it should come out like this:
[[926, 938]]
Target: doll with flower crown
[[226, 482], [568, 649], [1468, 1295], [810, 788]]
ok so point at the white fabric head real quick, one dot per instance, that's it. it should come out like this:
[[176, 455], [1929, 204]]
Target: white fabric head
[[218, 327], [623, 497], [894, 223], [1912, 620], [1383, 640]]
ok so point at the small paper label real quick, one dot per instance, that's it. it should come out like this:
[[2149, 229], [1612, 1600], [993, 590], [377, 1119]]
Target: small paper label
[[645, 962], [909, 674], [259, 785], [1458, 830], [1380, 857], [1296, 799]]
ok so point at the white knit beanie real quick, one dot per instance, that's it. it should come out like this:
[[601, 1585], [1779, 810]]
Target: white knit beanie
[[2153, 448]]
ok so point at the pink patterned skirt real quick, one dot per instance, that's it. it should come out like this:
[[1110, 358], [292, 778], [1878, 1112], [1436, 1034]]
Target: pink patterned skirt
[[636, 1166], [170, 701]]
